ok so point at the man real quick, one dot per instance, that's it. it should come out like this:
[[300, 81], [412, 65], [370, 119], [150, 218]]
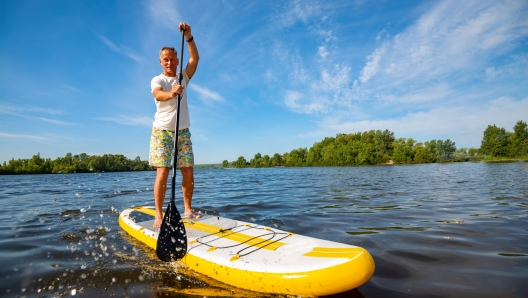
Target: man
[[165, 89]]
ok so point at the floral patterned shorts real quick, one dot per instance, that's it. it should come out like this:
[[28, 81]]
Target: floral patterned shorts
[[161, 147]]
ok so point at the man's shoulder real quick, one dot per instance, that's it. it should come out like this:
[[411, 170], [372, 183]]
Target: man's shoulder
[[160, 80], [160, 77]]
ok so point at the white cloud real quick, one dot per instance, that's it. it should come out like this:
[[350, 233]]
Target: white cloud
[[121, 50], [453, 122], [164, 12], [28, 112], [23, 136], [296, 11], [372, 67], [322, 51], [110, 44], [53, 121], [129, 120], [454, 36], [8, 108], [206, 95], [291, 100]]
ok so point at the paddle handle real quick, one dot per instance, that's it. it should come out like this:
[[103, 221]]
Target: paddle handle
[[175, 148]]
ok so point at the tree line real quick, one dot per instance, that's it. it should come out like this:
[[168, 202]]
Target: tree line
[[78, 163], [381, 147], [361, 148]]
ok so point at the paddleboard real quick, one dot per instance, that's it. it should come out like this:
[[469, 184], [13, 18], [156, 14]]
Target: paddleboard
[[260, 258]]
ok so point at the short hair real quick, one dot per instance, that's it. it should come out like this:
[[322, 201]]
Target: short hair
[[168, 48]]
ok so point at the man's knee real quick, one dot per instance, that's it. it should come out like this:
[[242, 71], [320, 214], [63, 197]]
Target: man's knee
[[162, 173], [187, 176]]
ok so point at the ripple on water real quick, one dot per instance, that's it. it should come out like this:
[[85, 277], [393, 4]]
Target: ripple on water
[[444, 230]]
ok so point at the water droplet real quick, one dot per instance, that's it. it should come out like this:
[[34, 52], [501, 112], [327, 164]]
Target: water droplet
[[73, 292], [141, 278], [173, 240], [113, 279], [83, 276], [83, 210]]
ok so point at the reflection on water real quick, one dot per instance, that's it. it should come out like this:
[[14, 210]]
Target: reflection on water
[[442, 230]]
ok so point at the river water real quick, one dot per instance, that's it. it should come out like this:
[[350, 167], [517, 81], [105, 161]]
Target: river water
[[434, 230]]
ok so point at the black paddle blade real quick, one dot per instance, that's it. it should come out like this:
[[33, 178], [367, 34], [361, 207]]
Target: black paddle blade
[[172, 239]]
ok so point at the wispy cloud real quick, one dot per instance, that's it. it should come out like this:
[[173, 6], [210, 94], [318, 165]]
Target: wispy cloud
[[372, 67], [207, 95], [28, 112], [8, 108], [164, 12], [452, 39], [110, 44], [297, 11], [129, 120], [53, 121], [322, 51], [448, 47], [434, 124], [130, 53], [23, 136]]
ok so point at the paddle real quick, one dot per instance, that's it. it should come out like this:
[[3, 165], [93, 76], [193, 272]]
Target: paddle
[[172, 239]]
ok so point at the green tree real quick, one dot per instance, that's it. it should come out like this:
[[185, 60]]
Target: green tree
[[74, 163], [461, 154], [255, 162], [297, 157], [494, 142], [519, 140], [422, 153], [240, 162], [327, 154], [265, 162], [384, 142], [277, 160], [403, 150], [225, 163], [473, 153]]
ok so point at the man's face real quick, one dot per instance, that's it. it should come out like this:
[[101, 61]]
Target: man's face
[[169, 62]]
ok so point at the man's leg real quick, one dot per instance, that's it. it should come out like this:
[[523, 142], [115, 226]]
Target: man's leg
[[187, 190], [160, 188]]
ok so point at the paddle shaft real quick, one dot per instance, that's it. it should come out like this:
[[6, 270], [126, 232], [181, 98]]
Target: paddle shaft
[[175, 148], [172, 240]]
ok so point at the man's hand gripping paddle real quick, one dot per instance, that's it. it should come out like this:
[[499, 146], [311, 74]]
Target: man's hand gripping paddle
[[172, 238]]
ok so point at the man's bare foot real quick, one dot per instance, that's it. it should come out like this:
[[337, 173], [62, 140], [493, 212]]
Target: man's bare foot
[[192, 214], [157, 223]]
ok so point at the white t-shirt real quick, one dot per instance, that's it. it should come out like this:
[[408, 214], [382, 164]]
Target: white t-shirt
[[166, 110]]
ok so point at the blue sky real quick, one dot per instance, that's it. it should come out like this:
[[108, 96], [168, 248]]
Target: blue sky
[[273, 75]]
